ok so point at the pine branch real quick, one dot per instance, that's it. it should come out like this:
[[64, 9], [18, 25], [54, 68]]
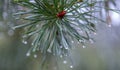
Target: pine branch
[[54, 25]]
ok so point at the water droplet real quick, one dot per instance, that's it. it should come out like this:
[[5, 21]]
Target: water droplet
[[61, 56], [66, 48], [32, 44], [71, 66], [95, 33], [49, 50], [35, 56], [109, 25], [61, 46], [28, 54], [80, 40], [84, 46], [64, 61], [81, 31], [32, 1], [72, 41], [37, 26], [91, 41], [25, 42]]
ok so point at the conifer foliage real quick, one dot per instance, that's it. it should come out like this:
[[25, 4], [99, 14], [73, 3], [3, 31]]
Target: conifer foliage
[[55, 26]]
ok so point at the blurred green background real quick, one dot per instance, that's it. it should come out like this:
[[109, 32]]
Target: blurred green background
[[104, 54]]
